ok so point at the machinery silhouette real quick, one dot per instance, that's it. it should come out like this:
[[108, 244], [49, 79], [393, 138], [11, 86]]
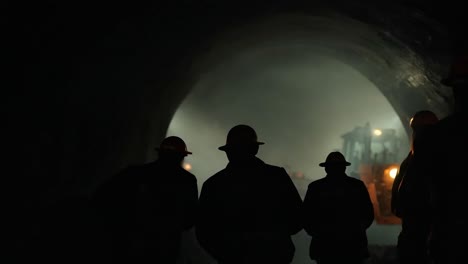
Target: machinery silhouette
[[374, 157]]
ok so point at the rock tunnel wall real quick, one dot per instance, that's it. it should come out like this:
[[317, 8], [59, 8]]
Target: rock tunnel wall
[[97, 85]]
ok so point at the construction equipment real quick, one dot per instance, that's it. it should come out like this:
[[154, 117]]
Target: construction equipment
[[374, 157]]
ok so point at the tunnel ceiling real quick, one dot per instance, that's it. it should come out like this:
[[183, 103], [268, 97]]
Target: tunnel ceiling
[[99, 83], [401, 74]]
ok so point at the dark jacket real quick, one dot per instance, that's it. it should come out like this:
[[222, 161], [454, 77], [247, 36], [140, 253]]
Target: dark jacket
[[411, 191], [445, 162], [248, 213], [337, 210], [395, 200], [154, 202]]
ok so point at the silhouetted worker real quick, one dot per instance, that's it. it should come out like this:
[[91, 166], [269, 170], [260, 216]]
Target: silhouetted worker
[[145, 208], [337, 211], [249, 210], [446, 163], [411, 194]]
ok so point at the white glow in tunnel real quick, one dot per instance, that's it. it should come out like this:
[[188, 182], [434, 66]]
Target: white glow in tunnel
[[300, 107], [393, 173], [299, 104]]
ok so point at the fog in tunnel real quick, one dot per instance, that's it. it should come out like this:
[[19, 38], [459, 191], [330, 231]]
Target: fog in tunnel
[[87, 98], [300, 103]]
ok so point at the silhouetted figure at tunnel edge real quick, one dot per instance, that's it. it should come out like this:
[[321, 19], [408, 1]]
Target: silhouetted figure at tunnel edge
[[411, 197], [145, 208], [444, 153], [249, 210], [337, 211]]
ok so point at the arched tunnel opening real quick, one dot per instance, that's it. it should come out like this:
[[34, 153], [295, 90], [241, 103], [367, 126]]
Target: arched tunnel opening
[[97, 95], [302, 88]]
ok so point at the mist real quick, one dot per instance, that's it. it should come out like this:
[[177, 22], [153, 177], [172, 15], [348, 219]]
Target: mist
[[299, 102]]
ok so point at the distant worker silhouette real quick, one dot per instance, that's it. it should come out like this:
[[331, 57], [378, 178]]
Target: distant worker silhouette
[[411, 194], [249, 210], [145, 208], [446, 163], [337, 211]]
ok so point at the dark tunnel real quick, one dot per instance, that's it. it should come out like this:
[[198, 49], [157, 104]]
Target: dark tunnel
[[92, 88]]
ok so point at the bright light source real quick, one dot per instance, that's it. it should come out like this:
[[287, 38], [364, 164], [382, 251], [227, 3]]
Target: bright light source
[[377, 132], [393, 173], [187, 166]]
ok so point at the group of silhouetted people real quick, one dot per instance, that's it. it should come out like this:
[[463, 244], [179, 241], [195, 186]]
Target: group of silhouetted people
[[247, 212]]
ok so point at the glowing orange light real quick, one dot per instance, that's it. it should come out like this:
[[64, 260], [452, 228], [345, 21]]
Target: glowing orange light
[[377, 132], [393, 173], [187, 166]]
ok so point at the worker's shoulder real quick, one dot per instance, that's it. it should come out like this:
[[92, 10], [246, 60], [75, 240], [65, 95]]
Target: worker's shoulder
[[127, 172], [190, 176], [154, 168], [275, 169], [317, 183], [354, 181], [215, 178]]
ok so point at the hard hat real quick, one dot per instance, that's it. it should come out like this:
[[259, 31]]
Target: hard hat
[[333, 159], [458, 72], [423, 118], [241, 136], [174, 144]]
